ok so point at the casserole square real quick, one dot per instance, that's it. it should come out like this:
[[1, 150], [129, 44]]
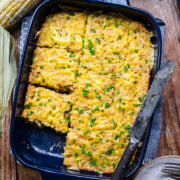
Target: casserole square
[[64, 30], [94, 150], [54, 68], [46, 108]]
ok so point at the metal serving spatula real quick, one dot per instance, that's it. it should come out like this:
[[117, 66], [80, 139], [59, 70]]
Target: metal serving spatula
[[139, 127]]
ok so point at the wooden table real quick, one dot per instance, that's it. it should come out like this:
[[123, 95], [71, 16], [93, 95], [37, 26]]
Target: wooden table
[[170, 141]]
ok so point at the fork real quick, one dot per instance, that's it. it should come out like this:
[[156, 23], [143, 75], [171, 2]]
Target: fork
[[172, 170]]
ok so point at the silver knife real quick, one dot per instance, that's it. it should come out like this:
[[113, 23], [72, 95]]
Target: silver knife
[[142, 120]]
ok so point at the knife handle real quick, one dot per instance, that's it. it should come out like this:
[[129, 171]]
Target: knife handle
[[120, 171]]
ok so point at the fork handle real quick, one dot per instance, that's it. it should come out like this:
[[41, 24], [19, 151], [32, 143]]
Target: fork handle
[[120, 171]]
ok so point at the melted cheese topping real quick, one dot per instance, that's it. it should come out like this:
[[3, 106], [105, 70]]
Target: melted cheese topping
[[113, 80], [115, 58], [63, 30], [47, 108], [54, 68]]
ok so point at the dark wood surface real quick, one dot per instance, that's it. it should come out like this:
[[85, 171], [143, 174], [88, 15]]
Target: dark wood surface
[[170, 141]]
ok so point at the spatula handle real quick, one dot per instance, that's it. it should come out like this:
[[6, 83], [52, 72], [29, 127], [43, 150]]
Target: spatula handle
[[120, 171]]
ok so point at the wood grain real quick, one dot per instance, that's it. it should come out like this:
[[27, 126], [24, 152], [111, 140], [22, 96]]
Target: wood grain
[[167, 10], [7, 162], [170, 141]]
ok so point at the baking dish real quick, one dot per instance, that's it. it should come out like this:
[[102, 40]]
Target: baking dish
[[42, 149]]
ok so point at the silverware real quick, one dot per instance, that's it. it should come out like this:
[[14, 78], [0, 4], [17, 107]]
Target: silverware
[[172, 170], [139, 127]]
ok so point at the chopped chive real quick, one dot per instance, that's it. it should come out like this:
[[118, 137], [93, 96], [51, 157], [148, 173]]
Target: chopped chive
[[108, 18], [98, 40], [110, 151], [104, 27], [126, 67], [119, 37], [89, 154], [136, 50], [28, 106], [76, 155], [29, 113], [114, 164], [140, 99], [92, 122], [91, 47], [117, 136], [88, 84], [107, 105], [85, 92], [95, 109], [128, 127], [115, 125], [110, 87], [98, 97], [115, 24], [83, 66], [120, 99]]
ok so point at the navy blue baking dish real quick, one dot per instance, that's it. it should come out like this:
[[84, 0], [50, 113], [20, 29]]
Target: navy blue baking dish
[[42, 148]]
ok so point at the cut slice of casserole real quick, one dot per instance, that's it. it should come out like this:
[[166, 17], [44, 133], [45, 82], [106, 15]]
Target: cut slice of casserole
[[47, 108]]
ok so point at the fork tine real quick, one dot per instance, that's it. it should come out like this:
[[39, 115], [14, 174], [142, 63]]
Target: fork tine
[[172, 167], [178, 164], [171, 173], [172, 170], [174, 177]]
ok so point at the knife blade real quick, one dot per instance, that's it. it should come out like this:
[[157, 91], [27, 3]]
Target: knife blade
[[142, 120]]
